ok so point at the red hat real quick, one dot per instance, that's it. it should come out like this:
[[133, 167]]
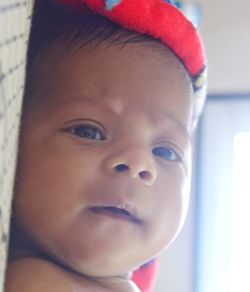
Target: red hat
[[160, 19]]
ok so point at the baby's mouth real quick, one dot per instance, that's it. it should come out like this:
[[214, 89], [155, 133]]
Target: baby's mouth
[[115, 212]]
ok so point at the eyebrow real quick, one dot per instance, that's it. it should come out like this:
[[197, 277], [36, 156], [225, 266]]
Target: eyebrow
[[176, 122], [184, 129], [97, 101], [81, 99]]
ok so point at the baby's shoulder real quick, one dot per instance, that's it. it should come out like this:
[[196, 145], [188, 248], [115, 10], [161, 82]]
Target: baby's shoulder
[[30, 274]]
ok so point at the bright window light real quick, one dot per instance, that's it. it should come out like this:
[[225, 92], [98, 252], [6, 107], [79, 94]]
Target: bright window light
[[240, 224]]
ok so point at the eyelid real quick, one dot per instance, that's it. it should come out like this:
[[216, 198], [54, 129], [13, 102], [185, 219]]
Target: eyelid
[[174, 147], [85, 122]]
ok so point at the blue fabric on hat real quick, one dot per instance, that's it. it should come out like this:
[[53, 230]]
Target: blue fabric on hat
[[170, 2], [110, 4]]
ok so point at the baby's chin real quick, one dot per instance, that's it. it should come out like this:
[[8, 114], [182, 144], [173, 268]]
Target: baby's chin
[[98, 268]]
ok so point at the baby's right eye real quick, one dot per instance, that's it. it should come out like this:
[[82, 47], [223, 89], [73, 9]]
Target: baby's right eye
[[87, 132]]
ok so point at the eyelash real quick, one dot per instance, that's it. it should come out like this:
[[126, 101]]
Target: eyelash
[[86, 133], [166, 153]]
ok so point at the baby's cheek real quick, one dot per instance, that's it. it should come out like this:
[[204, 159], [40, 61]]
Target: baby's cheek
[[168, 209]]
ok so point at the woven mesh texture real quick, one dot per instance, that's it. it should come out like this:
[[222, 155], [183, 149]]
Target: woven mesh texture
[[15, 16]]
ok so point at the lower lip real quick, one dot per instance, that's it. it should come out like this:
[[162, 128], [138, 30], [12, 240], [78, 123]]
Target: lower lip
[[117, 216]]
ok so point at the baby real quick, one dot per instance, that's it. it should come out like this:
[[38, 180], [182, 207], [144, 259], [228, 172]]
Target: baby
[[103, 174]]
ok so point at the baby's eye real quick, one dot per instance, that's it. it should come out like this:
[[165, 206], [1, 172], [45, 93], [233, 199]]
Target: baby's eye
[[87, 132], [166, 153]]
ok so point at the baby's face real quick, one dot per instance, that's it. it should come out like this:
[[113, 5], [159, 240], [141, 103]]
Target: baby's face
[[104, 157]]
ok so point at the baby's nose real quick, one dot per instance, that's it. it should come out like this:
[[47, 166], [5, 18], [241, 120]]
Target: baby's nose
[[137, 163]]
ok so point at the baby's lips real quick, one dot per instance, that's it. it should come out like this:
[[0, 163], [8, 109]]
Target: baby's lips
[[127, 211]]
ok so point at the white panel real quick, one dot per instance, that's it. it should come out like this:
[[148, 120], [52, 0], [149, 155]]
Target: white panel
[[222, 120]]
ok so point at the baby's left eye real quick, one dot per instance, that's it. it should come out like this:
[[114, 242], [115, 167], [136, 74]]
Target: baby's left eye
[[166, 153]]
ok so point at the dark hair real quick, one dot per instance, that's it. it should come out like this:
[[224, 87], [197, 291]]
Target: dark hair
[[69, 30], [53, 24]]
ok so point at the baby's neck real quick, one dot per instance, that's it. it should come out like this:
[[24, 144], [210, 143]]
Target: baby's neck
[[72, 280], [20, 247], [20, 250]]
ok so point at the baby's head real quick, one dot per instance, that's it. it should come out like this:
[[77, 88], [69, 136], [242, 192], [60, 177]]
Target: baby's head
[[104, 162]]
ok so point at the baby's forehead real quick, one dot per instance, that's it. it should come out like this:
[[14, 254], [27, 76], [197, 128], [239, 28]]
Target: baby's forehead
[[108, 66]]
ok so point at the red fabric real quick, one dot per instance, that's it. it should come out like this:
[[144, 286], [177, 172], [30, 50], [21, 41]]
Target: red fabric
[[159, 19], [145, 276]]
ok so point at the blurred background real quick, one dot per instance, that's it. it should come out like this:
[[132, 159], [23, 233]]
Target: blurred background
[[212, 252]]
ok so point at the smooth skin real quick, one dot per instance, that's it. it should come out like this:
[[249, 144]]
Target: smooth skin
[[110, 126]]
